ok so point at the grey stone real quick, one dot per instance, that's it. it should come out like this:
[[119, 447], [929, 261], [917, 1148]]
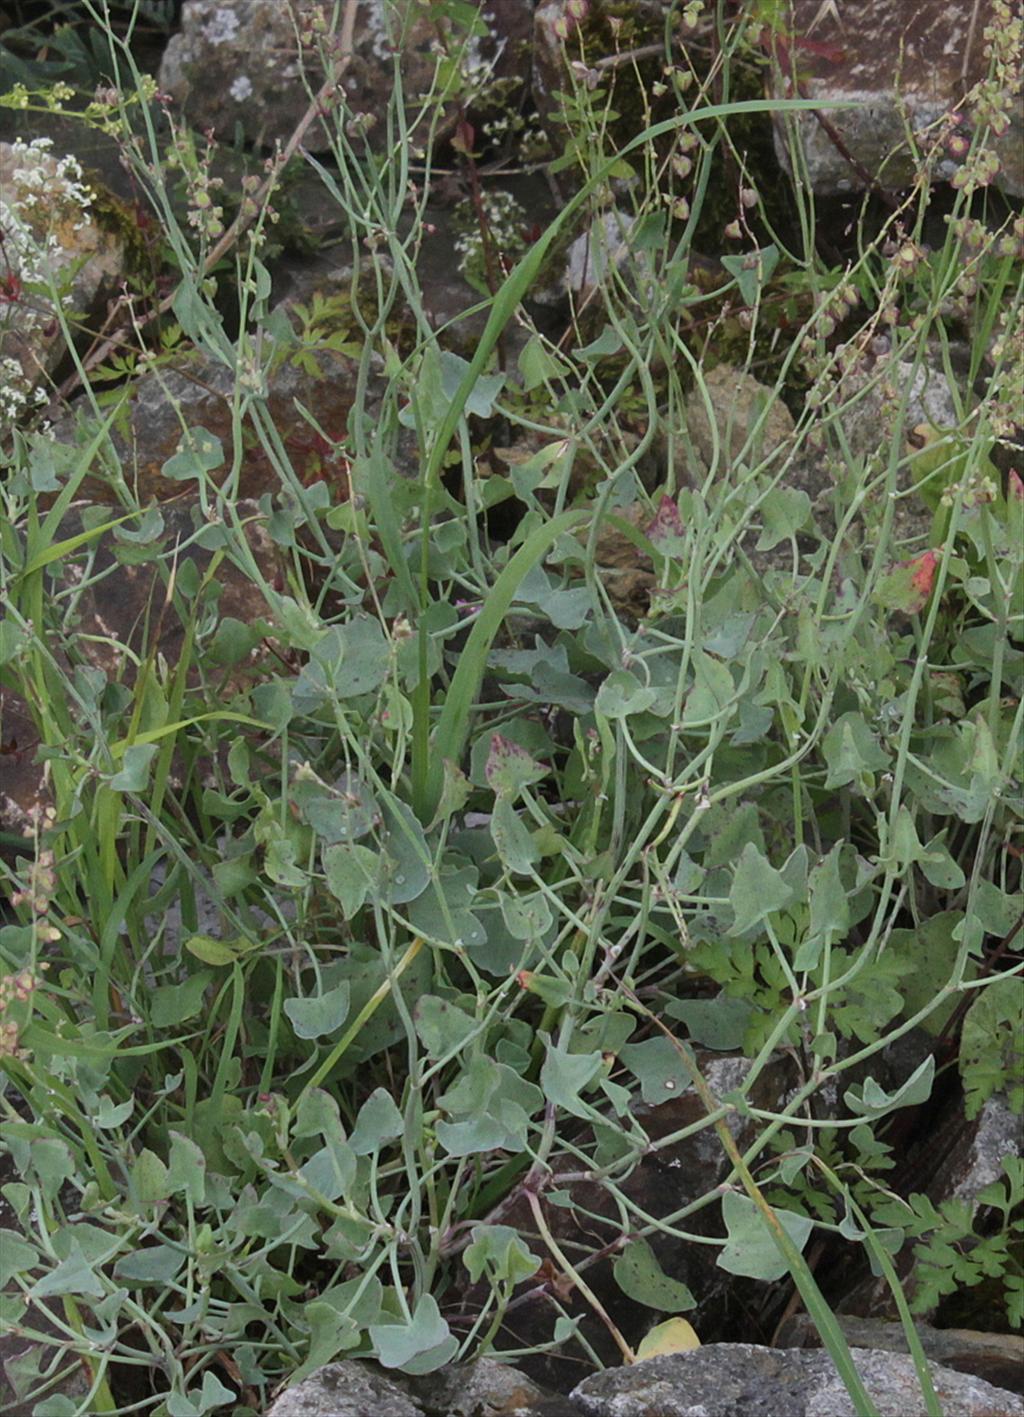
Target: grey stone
[[906, 66], [51, 232], [746, 419], [482, 1389], [745, 1380], [345, 1390], [243, 62], [358, 1389], [996, 1357], [113, 612], [996, 1135]]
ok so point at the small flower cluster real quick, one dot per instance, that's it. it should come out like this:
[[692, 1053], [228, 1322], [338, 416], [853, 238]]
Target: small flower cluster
[[975, 490], [43, 191], [38, 894], [506, 222], [576, 12], [995, 100], [998, 97], [16, 393], [14, 989], [205, 215]]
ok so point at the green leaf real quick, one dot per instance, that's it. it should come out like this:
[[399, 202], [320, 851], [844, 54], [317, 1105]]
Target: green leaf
[[397, 1344], [641, 1278], [200, 452], [218, 952], [931, 948], [515, 846], [991, 1046], [752, 271], [873, 1101], [212, 1394], [712, 691], [472, 1136], [348, 659], [134, 773], [526, 917], [607, 343], [321, 1016], [510, 768], [536, 364], [851, 749], [332, 1169], [234, 641], [622, 695], [346, 811], [73, 1275], [352, 872], [830, 910], [751, 1249], [564, 1075], [148, 1179], [757, 890], [186, 1173], [939, 868], [659, 1067], [442, 1028], [110, 1116], [719, 1023], [500, 1253], [482, 393], [171, 1004], [16, 1256], [785, 511], [379, 1120]]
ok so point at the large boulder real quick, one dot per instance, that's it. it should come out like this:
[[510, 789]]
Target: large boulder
[[906, 68], [743, 1379], [56, 254], [254, 63]]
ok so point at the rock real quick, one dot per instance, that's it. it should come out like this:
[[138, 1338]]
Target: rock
[[51, 233], [482, 1389], [994, 1135], [905, 65], [744, 1380], [242, 62], [996, 1357], [125, 593], [345, 1390], [358, 1389], [194, 392], [605, 243], [747, 420], [869, 401], [239, 62]]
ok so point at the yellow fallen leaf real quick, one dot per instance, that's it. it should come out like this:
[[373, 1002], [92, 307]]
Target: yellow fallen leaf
[[673, 1336]]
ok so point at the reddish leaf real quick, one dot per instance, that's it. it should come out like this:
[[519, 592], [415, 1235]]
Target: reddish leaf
[[923, 573], [666, 530], [510, 768]]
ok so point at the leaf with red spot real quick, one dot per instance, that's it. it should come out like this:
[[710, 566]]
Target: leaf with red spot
[[465, 134], [666, 531], [510, 768], [907, 585], [1015, 487]]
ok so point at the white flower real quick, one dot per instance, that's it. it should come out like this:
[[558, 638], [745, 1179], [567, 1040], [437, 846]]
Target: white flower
[[222, 26], [241, 89]]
